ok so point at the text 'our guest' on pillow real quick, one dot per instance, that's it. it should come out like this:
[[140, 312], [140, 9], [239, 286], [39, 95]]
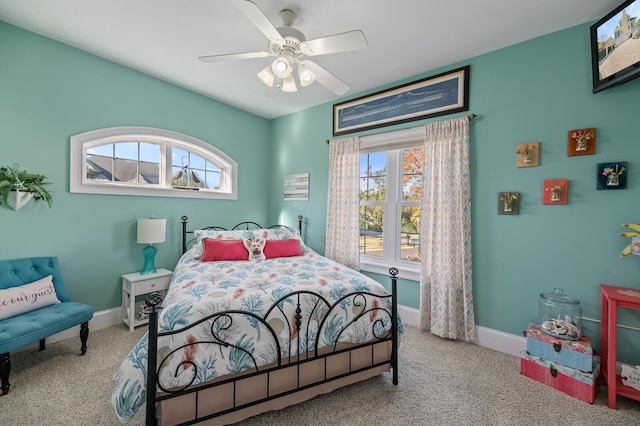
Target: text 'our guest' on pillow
[[27, 297]]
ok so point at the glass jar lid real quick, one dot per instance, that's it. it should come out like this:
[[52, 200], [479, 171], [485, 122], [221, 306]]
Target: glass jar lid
[[558, 296]]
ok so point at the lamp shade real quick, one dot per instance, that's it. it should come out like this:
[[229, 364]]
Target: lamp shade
[[267, 76], [281, 67], [306, 75], [289, 85], [151, 231]]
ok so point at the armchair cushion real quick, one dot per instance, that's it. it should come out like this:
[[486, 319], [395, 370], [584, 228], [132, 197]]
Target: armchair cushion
[[24, 329]]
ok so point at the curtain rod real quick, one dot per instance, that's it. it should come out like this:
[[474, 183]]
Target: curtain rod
[[471, 117]]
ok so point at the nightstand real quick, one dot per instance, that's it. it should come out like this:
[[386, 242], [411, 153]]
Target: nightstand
[[136, 284]]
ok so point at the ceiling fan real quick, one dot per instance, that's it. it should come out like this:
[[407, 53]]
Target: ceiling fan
[[291, 70]]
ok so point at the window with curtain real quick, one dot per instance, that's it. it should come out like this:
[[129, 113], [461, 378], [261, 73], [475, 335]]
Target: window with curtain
[[147, 161], [390, 192]]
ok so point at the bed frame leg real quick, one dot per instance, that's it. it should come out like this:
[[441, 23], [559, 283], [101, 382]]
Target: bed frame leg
[[5, 370], [152, 302], [394, 323]]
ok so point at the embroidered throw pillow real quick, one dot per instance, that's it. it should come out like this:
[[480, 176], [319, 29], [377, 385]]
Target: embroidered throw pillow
[[282, 248], [27, 297], [214, 250]]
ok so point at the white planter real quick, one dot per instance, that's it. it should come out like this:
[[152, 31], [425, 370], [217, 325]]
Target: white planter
[[17, 199]]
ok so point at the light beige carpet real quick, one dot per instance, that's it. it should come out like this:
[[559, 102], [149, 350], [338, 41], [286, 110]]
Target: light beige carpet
[[442, 382]]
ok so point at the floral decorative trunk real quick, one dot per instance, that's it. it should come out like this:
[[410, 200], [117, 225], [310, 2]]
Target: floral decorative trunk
[[578, 384], [577, 354]]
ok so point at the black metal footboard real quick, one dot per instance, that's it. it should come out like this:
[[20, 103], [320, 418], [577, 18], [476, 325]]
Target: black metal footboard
[[313, 316]]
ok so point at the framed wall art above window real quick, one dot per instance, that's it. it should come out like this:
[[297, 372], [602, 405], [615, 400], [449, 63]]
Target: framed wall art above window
[[441, 94]]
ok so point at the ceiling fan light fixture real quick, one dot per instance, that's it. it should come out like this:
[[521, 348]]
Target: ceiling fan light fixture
[[267, 76], [306, 75], [289, 85], [281, 67]]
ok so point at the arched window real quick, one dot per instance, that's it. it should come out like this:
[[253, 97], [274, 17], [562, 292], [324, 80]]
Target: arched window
[[151, 162]]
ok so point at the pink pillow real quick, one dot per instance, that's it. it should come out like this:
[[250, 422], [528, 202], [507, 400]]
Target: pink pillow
[[214, 250], [282, 248]]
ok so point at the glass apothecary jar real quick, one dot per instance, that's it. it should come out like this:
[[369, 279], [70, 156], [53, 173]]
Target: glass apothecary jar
[[560, 315]]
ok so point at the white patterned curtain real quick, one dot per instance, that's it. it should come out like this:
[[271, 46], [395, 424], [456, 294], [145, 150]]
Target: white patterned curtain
[[343, 227], [446, 299]]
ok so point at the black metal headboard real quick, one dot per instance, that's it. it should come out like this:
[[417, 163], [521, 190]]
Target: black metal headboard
[[241, 225]]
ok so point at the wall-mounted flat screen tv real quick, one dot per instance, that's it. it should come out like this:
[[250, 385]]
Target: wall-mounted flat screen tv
[[615, 46]]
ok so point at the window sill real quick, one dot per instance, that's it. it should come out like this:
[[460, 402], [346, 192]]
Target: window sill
[[407, 272], [150, 191]]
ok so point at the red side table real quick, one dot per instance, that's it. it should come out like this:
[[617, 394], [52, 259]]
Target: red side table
[[612, 299]]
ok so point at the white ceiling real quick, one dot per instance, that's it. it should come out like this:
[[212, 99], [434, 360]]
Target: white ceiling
[[164, 38]]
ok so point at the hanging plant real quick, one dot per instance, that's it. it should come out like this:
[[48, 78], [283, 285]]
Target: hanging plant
[[14, 179]]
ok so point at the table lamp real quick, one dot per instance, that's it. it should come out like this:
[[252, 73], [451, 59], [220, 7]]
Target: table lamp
[[150, 231]]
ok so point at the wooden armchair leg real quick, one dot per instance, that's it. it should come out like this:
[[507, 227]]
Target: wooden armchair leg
[[5, 370], [84, 335], [42, 346]]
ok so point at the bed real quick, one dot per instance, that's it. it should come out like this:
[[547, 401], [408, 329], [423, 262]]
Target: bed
[[240, 332]]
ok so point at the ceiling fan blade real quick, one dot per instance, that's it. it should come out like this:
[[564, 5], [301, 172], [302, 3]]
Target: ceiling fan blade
[[275, 88], [344, 42], [226, 57], [255, 15], [328, 80]]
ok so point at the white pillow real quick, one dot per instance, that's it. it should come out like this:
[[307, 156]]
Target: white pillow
[[27, 297], [221, 235], [284, 233]]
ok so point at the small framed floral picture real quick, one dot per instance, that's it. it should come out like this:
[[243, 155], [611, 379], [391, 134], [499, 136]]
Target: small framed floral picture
[[508, 203], [582, 142], [612, 175], [528, 154], [555, 191]]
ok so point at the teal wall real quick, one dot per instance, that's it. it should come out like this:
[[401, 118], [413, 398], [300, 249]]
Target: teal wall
[[533, 91], [49, 92]]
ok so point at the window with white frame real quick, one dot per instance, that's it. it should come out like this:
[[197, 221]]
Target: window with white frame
[[149, 161], [390, 192]]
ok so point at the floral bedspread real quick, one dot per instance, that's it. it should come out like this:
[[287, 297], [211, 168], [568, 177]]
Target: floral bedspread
[[199, 289]]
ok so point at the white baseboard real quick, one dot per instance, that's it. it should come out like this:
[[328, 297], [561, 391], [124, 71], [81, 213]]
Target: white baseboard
[[100, 320], [487, 337]]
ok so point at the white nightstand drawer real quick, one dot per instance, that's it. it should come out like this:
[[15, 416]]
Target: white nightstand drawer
[[152, 284]]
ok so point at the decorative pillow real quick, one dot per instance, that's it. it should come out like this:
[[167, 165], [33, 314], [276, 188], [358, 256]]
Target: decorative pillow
[[222, 235], [282, 248], [255, 246], [281, 234], [214, 250], [27, 297]]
